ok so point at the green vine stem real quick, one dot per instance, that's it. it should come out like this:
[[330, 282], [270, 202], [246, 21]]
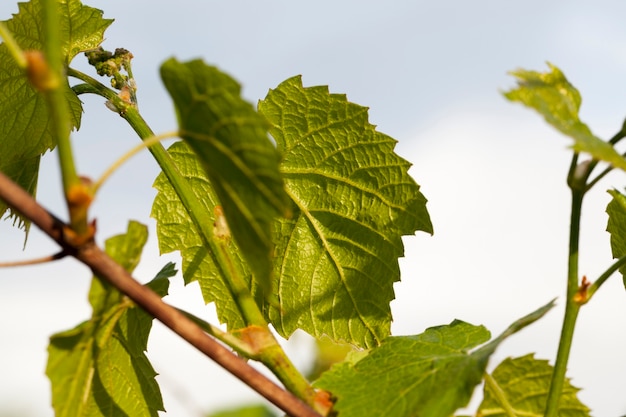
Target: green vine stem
[[576, 180], [235, 343], [272, 354], [46, 74], [269, 351], [577, 294]]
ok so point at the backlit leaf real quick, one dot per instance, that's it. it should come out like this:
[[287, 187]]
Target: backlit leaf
[[558, 101], [231, 141], [99, 368], [177, 232], [24, 131], [428, 375], [617, 227], [337, 256], [523, 383]]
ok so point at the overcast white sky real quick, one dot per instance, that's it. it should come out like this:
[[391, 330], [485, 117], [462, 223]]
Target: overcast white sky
[[431, 73]]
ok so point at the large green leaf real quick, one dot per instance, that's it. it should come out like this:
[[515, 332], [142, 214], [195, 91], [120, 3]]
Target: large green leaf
[[230, 139], [99, 368], [428, 375], [558, 101], [24, 127], [176, 231], [337, 256], [522, 385], [617, 227]]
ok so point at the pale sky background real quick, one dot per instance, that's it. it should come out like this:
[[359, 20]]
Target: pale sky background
[[431, 72]]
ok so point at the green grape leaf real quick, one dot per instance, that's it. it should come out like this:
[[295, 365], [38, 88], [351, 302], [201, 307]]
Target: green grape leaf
[[24, 127], [176, 231], [99, 368], [337, 256], [230, 139], [617, 227], [521, 385], [430, 375], [558, 101]]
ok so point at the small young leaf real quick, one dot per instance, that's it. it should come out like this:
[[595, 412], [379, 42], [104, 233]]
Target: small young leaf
[[617, 227], [99, 368], [337, 256], [24, 134], [231, 141], [176, 231], [558, 101], [523, 383], [430, 375]]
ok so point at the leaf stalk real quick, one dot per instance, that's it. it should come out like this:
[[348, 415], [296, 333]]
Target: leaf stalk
[[120, 161], [595, 286]]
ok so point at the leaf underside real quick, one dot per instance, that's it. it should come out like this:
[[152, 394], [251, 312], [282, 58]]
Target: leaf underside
[[524, 382], [337, 256], [99, 368], [230, 139], [335, 259], [24, 131], [558, 101], [177, 232]]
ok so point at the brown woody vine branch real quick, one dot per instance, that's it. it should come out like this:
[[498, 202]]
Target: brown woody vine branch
[[106, 268], [42, 260]]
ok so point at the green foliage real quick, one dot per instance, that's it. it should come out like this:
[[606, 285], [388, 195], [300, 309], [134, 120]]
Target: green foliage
[[336, 257], [617, 227], [430, 375], [230, 139], [99, 368], [24, 129], [176, 231], [352, 199], [521, 385], [558, 101], [317, 217]]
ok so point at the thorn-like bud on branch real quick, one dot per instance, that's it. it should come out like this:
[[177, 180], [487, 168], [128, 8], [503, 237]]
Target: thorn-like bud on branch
[[581, 297], [39, 73]]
